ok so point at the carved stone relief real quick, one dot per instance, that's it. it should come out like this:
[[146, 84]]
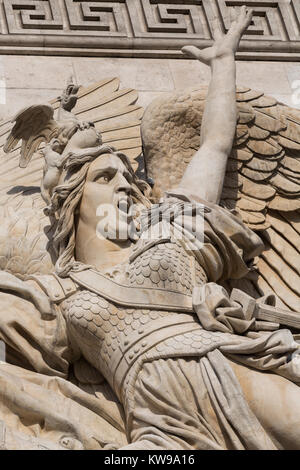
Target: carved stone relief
[[146, 27], [149, 262]]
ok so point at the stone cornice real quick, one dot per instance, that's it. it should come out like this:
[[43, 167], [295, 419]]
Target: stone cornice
[[144, 28]]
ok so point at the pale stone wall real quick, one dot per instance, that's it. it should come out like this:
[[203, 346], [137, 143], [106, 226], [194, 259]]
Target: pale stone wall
[[145, 28], [45, 41], [28, 79]]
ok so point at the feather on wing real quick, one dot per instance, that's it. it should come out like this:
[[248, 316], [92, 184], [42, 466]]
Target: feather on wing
[[21, 205], [33, 125], [262, 180]]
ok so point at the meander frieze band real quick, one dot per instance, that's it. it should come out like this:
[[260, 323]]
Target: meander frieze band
[[142, 28]]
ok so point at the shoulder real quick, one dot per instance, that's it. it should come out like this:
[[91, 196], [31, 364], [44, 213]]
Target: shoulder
[[56, 288]]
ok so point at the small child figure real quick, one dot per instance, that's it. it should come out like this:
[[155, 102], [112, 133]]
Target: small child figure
[[52, 169]]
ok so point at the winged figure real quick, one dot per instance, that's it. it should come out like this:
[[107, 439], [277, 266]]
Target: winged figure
[[154, 304]]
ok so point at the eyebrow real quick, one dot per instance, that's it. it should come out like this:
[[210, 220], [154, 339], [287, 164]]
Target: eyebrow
[[98, 171], [109, 169]]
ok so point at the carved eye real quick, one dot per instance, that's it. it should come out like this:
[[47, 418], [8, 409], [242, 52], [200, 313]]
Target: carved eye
[[103, 179]]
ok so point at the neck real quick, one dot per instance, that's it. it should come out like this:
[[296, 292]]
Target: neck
[[100, 253]]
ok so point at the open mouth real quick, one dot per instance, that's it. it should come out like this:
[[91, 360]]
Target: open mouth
[[124, 204]]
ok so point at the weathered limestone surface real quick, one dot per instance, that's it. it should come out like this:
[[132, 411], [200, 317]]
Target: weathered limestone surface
[[139, 41], [28, 79], [139, 28], [133, 333]]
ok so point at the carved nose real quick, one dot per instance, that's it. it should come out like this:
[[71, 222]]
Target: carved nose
[[123, 185], [126, 189]]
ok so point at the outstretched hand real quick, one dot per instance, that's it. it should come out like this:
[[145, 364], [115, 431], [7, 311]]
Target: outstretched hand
[[224, 45]]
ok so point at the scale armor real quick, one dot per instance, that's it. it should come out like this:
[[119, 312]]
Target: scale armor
[[101, 328]]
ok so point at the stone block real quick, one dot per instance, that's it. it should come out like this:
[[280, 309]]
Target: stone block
[[270, 77], [90, 70], [154, 75], [188, 73], [36, 72], [17, 98]]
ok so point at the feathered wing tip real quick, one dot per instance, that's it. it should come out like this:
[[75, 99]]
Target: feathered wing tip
[[116, 116], [25, 231], [262, 180], [114, 113], [33, 125]]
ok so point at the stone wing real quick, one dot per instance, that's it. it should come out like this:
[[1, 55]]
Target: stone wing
[[33, 126], [25, 230], [262, 180], [115, 114]]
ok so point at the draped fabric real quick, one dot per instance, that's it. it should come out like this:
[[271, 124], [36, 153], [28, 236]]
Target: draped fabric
[[179, 403], [193, 403], [42, 403], [216, 237], [188, 402], [42, 412]]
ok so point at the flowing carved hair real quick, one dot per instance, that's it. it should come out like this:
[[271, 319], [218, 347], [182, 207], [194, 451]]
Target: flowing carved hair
[[66, 199]]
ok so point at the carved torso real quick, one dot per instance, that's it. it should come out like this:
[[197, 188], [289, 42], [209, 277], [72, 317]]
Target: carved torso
[[164, 266], [100, 327]]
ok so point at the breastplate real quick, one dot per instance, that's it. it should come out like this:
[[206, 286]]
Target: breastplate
[[105, 331], [165, 265]]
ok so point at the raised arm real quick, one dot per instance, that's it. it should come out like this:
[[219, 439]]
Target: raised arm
[[204, 176]]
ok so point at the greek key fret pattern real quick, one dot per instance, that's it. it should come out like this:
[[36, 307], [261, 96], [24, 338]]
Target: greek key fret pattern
[[148, 25], [173, 18], [295, 5], [104, 17], [28, 15], [272, 20]]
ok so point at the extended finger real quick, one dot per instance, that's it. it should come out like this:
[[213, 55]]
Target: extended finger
[[233, 15], [216, 29], [237, 17], [191, 51], [245, 16], [249, 17], [243, 12]]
